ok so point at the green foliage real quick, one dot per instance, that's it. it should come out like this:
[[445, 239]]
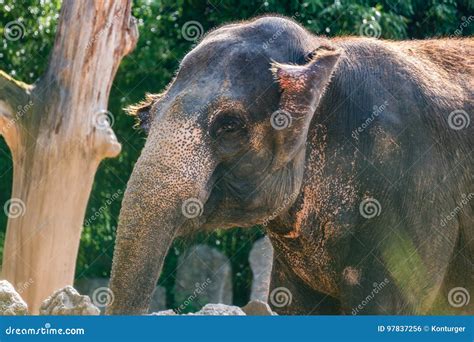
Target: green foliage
[[152, 65]]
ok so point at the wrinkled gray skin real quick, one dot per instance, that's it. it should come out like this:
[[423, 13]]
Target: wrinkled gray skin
[[211, 139]]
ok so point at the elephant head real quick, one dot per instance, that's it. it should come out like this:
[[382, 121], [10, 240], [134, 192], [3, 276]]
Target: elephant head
[[225, 147]]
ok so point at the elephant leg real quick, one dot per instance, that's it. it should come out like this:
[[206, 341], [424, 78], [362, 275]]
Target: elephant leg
[[402, 275], [289, 295], [367, 289], [457, 293]]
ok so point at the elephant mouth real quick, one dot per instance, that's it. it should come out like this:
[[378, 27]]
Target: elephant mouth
[[223, 209], [206, 213]]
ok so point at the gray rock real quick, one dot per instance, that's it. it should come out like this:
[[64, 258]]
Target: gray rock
[[95, 288], [220, 310], [11, 304], [67, 301], [258, 308], [158, 299], [261, 262], [207, 310], [164, 313], [92, 287], [203, 276]]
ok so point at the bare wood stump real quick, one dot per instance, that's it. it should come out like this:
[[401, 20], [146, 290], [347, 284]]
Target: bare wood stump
[[58, 133]]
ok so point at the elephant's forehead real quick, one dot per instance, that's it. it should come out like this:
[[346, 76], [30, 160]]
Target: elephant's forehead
[[224, 95], [237, 79]]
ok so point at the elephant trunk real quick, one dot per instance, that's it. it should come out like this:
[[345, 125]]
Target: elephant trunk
[[167, 187], [141, 247]]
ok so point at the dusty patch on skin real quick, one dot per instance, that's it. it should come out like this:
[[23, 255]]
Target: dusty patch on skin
[[328, 190], [351, 275], [316, 223], [257, 141], [385, 145]]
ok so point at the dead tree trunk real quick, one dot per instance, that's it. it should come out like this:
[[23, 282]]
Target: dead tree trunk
[[58, 132]]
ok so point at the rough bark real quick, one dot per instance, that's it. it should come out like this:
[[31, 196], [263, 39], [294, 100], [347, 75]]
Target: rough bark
[[58, 133]]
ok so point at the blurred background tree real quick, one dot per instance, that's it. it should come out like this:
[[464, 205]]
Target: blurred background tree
[[152, 65]]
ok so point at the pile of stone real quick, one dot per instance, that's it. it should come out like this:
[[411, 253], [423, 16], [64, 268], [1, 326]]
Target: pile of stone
[[204, 276], [97, 290], [68, 301], [11, 303], [253, 308]]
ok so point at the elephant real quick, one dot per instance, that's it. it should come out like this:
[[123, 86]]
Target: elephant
[[353, 153]]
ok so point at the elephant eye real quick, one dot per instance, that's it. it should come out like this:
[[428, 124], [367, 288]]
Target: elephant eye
[[227, 125]]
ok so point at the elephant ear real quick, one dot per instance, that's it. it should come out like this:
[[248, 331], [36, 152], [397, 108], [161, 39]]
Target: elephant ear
[[142, 111], [302, 87]]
